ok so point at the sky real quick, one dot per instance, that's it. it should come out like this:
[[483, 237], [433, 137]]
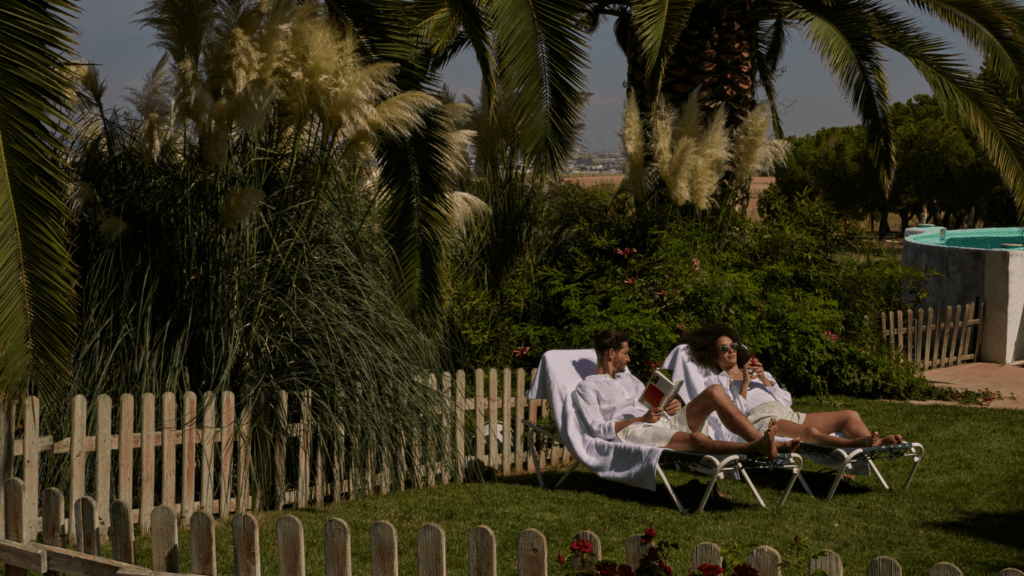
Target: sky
[[809, 98]]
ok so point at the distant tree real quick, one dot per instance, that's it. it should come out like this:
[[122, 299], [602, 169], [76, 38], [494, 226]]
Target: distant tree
[[940, 166]]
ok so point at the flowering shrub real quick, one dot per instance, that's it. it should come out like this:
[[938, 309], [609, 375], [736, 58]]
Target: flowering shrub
[[654, 562]]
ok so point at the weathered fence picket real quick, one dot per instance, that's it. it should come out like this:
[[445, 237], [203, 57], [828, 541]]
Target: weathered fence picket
[[946, 338], [204, 543], [122, 533], [531, 548], [194, 453]]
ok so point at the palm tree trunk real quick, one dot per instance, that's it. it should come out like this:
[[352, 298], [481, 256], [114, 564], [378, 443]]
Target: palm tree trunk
[[716, 51]]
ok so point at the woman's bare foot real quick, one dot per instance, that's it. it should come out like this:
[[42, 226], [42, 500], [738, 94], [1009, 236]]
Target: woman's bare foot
[[788, 446], [868, 440], [890, 440], [765, 445]]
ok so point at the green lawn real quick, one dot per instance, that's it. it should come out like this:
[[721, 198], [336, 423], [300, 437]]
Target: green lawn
[[965, 506]]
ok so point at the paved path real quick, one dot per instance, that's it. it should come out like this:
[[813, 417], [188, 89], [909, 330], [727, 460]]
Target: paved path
[[1000, 379]]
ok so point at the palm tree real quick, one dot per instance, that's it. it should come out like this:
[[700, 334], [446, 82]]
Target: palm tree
[[532, 56], [36, 277], [730, 47]]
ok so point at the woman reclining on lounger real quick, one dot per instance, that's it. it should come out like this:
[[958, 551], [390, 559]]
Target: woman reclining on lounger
[[761, 399]]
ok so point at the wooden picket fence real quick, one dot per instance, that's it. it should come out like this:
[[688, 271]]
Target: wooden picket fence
[[51, 557], [213, 437], [945, 339]]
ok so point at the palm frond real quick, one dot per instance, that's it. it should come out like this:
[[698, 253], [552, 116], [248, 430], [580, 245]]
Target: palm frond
[[453, 24], [180, 26], [541, 56], [962, 95], [37, 297], [772, 44], [417, 178], [658, 24], [993, 27], [845, 39], [383, 28]]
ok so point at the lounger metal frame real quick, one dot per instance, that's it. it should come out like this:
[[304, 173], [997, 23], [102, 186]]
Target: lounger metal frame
[[714, 466], [844, 459]]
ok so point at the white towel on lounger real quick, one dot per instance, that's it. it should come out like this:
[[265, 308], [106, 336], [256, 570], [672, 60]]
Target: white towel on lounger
[[558, 374]]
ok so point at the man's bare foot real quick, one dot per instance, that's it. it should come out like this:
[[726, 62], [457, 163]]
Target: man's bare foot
[[891, 439], [869, 440], [765, 445]]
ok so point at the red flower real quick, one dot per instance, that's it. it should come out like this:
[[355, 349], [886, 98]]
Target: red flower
[[665, 567], [648, 536], [710, 569], [561, 559], [744, 570], [661, 292], [652, 553], [629, 281], [606, 568], [625, 570], [625, 252], [681, 326], [521, 350], [582, 546], [832, 335]]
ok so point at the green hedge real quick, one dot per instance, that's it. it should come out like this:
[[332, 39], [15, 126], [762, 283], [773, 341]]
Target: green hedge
[[787, 284]]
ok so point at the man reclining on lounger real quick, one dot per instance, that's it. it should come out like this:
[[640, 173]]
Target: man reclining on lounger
[[609, 404]]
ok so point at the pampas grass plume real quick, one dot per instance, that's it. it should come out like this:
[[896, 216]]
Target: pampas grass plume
[[464, 209], [633, 144]]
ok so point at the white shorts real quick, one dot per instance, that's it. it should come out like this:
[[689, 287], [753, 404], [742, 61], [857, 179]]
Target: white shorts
[[760, 416], [658, 434]]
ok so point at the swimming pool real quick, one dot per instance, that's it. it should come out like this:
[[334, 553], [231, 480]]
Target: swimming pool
[[974, 266], [981, 238]]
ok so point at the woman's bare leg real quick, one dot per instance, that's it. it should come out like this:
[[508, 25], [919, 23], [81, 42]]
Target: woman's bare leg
[[715, 399], [847, 421], [702, 444], [811, 434]]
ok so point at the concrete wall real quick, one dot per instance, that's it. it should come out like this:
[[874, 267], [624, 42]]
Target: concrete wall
[[970, 275]]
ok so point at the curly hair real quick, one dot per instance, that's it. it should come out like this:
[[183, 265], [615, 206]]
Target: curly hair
[[702, 343]]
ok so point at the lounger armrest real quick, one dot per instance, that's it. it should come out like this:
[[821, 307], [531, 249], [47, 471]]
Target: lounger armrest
[[549, 431]]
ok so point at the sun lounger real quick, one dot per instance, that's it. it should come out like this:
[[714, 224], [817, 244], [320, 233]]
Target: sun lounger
[[857, 461], [558, 374]]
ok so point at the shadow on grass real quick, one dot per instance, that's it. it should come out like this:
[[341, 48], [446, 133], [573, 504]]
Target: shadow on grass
[[997, 527], [819, 481], [769, 483], [689, 492]]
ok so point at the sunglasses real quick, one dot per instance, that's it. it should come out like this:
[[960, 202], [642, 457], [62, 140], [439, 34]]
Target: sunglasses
[[726, 347]]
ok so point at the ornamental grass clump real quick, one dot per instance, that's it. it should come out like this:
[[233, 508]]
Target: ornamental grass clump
[[228, 237], [687, 153]]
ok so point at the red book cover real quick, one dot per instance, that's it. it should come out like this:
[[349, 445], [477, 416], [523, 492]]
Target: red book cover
[[653, 395]]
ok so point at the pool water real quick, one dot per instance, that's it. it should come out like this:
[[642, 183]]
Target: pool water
[[982, 238]]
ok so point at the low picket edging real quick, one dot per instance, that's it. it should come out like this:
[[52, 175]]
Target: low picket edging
[[211, 470], [531, 548]]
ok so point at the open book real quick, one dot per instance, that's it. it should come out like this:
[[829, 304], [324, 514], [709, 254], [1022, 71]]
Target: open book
[[660, 390]]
